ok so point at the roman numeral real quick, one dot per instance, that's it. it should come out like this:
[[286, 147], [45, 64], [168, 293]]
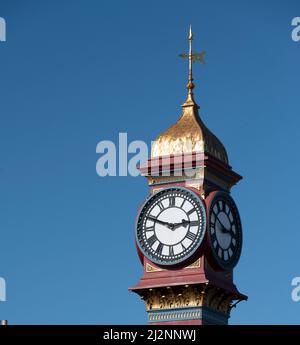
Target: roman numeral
[[195, 223], [150, 228], [215, 209], [182, 203], [171, 251], [221, 205], [172, 201], [191, 236], [227, 210], [151, 240], [191, 211], [159, 248], [160, 205], [225, 254]]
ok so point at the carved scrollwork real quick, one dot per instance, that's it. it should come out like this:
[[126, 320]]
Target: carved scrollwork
[[201, 295]]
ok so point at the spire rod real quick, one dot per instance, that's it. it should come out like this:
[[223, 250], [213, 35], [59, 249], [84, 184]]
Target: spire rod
[[192, 57], [190, 84]]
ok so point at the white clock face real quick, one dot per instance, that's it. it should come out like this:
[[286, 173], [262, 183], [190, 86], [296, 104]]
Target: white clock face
[[225, 231], [171, 226]]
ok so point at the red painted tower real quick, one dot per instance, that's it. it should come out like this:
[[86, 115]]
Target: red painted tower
[[188, 231]]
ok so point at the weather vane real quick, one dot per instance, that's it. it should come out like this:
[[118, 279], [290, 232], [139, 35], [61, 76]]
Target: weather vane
[[193, 57]]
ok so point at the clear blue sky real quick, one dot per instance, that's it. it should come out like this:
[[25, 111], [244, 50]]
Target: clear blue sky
[[73, 73]]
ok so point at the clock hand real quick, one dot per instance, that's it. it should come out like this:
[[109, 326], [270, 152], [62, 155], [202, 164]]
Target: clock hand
[[169, 225], [223, 229], [183, 223]]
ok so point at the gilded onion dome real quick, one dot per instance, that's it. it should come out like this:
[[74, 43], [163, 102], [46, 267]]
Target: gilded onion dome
[[189, 134]]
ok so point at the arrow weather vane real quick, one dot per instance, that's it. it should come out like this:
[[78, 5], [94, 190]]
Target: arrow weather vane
[[193, 57]]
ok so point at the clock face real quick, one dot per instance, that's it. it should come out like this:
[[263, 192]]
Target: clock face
[[225, 231], [171, 226]]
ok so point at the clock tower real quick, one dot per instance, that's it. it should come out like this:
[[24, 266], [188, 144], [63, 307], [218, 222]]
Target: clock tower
[[188, 231]]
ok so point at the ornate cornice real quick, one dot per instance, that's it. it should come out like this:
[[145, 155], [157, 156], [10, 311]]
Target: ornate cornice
[[188, 296]]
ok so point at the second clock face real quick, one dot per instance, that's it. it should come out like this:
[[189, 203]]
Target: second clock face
[[171, 226], [225, 231]]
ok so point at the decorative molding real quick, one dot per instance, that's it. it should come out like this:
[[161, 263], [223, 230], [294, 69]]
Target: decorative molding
[[175, 314], [150, 268], [154, 190], [196, 264], [180, 297], [197, 179], [184, 314], [194, 185]]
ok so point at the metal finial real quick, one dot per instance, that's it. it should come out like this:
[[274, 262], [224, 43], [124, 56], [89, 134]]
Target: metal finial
[[192, 57], [190, 33], [190, 84]]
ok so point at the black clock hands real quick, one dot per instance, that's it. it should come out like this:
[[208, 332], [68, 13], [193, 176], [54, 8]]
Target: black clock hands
[[183, 223], [169, 225], [224, 230]]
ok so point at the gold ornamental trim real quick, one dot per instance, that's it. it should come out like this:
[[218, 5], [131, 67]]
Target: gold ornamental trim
[[151, 269], [187, 296]]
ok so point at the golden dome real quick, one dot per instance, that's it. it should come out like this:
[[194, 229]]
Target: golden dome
[[189, 134]]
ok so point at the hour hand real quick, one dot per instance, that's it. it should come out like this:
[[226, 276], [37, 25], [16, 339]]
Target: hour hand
[[183, 223], [159, 221]]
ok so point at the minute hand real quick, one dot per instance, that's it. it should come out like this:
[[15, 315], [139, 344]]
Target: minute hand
[[223, 229], [160, 221]]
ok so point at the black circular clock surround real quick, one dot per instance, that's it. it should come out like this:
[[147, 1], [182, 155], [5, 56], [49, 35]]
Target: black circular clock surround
[[171, 225], [224, 231]]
